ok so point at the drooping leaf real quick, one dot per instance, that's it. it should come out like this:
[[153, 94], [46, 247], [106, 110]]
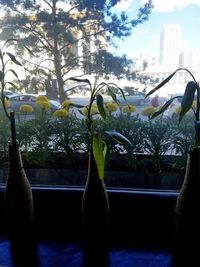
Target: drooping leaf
[[76, 105], [80, 80], [10, 40], [100, 105], [113, 95], [121, 91], [80, 111], [13, 59], [161, 84], [164, 107], [14, 73], [98, 152], [123, 95], [29, 50], [14, 85], [118, 137], [188, 98]]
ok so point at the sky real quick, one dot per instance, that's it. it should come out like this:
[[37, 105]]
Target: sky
[[145, 37]]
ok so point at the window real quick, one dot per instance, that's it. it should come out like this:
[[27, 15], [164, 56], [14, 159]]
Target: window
[[88, 40]]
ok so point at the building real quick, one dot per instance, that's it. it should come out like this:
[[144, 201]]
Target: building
[[189, 60], [170, 39]]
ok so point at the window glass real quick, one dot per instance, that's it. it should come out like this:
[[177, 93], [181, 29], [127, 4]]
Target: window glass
[[126, 45]]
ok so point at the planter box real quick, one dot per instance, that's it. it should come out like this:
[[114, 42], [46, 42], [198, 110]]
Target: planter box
[[120, 179]]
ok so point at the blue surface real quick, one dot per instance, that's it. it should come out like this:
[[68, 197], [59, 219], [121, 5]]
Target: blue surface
[[58, 254]]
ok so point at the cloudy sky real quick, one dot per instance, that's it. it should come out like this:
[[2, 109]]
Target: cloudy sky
[[145, 37]]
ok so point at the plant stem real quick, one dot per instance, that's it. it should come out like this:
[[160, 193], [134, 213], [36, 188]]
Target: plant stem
[[13, 130]]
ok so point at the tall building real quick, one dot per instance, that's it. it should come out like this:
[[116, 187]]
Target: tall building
[[170, 39]]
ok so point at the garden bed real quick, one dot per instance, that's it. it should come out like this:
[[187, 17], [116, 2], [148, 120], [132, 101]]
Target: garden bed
[[120, 172]]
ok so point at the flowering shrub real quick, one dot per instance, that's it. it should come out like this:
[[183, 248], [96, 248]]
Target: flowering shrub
[[66, 104], [128, 109], [111, 106], [148, 111], [26, 108], [42, 98], [43, 104], [61, 113]]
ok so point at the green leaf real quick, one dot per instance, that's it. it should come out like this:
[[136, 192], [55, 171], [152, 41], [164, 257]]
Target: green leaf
[[10, 40], [113, 95], [188, 98], [100, 105], [14, 85], [76, 105], [13, 59], [123, 95], [161, 84], [29, 50], [164, 107], [14, 73], [80, 111], [118, 137], [98, 152], [80, 80]]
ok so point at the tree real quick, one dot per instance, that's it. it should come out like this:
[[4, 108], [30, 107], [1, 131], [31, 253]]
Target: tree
[[53, 31]]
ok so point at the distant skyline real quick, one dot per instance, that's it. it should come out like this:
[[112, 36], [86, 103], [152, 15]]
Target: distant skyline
[[145, 38]]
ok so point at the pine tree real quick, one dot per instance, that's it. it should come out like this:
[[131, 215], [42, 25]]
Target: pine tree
[[52, 30]]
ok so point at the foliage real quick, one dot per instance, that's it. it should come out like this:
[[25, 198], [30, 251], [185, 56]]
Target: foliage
[[6, 60], [24, 128], [183, 136], [42, 127], [98, 147], [156, 138], [43, 136], [66, 135], [187, 103], [55, 29]]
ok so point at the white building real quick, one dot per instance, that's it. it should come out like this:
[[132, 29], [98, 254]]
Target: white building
[[190, 60], [176, 85], [170, 39]]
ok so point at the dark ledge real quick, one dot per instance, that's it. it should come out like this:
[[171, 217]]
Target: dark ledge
[[138, 218]]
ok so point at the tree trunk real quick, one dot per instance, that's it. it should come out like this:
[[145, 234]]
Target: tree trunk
[[57, 57]]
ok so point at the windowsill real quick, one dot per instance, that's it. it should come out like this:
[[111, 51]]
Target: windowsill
[[136, 191], [138, 218]]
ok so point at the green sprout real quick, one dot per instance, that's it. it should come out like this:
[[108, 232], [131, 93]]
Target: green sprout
[[192, 88], [5, 58], [98, 145]]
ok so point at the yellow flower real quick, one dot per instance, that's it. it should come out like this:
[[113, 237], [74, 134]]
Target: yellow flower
[[26, 108], [94, 110], [148, 111], [42, 98], [111, 106], [61, 113], [66, 104], [7, 103], [128, 109], [43, 104]]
